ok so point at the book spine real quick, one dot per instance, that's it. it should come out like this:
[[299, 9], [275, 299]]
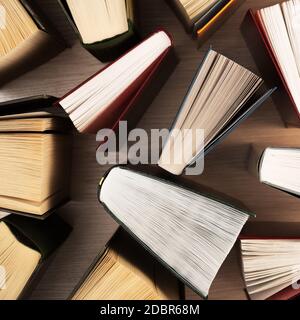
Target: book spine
[[216, 22], [254, 159]]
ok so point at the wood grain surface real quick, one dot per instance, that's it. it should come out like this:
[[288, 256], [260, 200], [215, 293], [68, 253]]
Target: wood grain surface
[[225, 167]]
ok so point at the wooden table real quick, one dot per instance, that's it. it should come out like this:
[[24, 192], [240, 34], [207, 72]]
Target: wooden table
[[225, 167]]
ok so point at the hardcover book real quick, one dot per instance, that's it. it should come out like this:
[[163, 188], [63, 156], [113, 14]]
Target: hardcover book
[[35, 146], [122, 90], [124, 270], [105, 28], [204, 107], [203, 17], [271, 267], [276, 48], [27, 39], [25, 245], [278, 167], [189, 233]]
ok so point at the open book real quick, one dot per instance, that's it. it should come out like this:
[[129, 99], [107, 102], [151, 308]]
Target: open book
[[270, 266], [189, 232], [126, 271], [280, 168], [280, 27], [104, 98], [221, 95], [26, 38], [25, 244]]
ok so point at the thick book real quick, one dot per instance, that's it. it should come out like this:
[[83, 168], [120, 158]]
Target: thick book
[[276, 52], [271, 267], [35, 148], [202, 18], [191, 233], [124, 89], [124, 270], [28, 39], [25, 245], [278, 167], [106, 29], [205, 108]]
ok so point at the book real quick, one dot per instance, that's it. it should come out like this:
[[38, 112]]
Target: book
[[278, 167], [203, 17], [105, 28], [27, 39], [122, 90], [204, 107], [124, 270], [35, 147], [271, 267], [25, 245], [188, 232], [282, 47]]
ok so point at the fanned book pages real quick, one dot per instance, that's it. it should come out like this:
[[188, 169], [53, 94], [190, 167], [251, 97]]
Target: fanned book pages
[[103, 99], [190, 233], [271, 267], [221, 95], [23, 38], [280, 168], [98, 20], [280, 27], [126, 271]]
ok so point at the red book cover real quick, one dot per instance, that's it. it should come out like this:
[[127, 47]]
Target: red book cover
[[127, 100], [290, 117]]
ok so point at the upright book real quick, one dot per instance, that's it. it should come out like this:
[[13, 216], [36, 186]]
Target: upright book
[[271, 267], [126, 271], [25, 244], [35, 147], [205, 107], [123, 89], [106, 28], [26, 38], [278, 167], [203, 17], [190, 233], [278, 29]]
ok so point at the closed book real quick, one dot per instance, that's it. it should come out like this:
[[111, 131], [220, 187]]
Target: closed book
[[35, 145], [32, 242], [132, 96], [40, 46], [179, 226], [112, 48], [261, 49], [124, 270]]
